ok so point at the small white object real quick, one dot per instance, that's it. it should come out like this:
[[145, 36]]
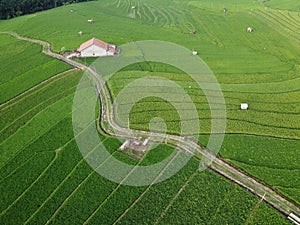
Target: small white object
[[146, 142], [133, 7], [90, 21], [125, 145], [244, 106], [194, 53], [80, 32], [190, 86], [249, 29]]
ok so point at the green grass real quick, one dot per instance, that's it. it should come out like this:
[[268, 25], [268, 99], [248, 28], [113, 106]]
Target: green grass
[[45, 178], [232, 6], [273, 109], [275, 161], [20, 111], [220, 40], [192, 197], [246, 5], [207, 208], [273, 112], [23, 66], [40, 183], [292, 5]]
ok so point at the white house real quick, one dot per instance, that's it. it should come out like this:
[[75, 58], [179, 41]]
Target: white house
[[96, 48], [244, 106]]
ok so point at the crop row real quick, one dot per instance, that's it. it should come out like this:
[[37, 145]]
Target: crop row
[[43, 96], [97, 196], [272, 160], [56, 137], [262, 92], [272, 110], [34, 128], [280, 25], [55, 172], [279, 179], [24, 74], [18, 122], [231, 204], [149, 206]]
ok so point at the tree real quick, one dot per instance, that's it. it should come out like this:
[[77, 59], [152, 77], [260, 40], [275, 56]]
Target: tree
[[14, 8]]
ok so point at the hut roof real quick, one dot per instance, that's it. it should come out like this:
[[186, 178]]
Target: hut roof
[[96, 42]]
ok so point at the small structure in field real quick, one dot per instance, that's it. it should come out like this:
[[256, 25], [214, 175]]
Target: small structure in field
[[244, 106], [194, 53], [96, 48], [249, 29], [146, 141], [125, 145], [224, 10], [80, 33], [135, 148], [193, 32], [91, 21], [132, 12], [137, 143]]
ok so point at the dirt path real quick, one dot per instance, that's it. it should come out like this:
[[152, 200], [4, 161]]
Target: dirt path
[[47, 49]]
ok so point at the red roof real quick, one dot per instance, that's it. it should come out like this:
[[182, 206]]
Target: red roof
[[98, 43]]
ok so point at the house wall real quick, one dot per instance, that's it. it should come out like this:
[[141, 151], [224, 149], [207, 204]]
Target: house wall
[[94, 51]]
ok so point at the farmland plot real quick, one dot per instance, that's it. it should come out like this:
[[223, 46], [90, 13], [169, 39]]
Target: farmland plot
[[23, 66]]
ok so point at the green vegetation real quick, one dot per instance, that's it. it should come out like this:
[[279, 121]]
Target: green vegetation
[[273, 109], [45, 179], [23, 66], [273, 160], [51, 155], [207, 208], [13, 8], [287, 5]]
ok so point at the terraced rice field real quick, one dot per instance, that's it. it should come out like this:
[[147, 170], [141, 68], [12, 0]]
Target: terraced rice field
[[45, 179], [50, 182], [23, 66], [273, 106], [272, 93]]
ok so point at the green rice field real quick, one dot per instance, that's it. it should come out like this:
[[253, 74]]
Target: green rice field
[[46, 180]]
